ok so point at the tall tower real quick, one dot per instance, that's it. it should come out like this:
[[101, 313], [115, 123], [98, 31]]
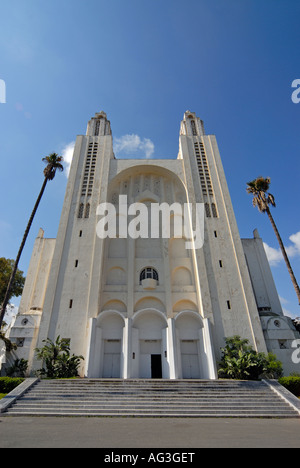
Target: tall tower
[[71, 296], [230, 302]]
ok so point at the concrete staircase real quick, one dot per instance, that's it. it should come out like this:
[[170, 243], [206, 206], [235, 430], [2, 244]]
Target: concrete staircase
[[152, 398]]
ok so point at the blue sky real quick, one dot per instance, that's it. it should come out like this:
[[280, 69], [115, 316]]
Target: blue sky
[[145, 63]]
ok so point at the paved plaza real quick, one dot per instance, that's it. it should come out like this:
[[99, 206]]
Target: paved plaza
[[180, 433]]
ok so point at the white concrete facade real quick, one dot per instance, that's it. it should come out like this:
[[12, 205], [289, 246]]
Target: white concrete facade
[[144, 307], [279, 331]]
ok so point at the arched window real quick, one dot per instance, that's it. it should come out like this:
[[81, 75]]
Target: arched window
[[194, 128], [87, 211], [148, 272], [97, 127], [80, 211], [207, 210], [214, 210]]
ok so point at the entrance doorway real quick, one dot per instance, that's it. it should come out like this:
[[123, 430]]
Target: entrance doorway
[[190, 359], [156, 366], [150, 359], [112, 359]]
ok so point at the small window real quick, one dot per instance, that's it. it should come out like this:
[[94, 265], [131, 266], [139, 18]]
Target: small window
[[194, 129], [214, 210], [80, 211], [80, 233], [97, 127], [221, 263], [215, 233], [207, 210], [148, 272], [228, 305], [71, 304], [282, 344], [87, 211], [76, 263]]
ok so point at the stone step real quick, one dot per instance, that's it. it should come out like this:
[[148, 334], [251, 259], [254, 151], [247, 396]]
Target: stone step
[[147, 395], [146, 403], [164, 384], [138, 392], [151, 382], [151, 391], [155, 413], [146, 399], [159, 383], [152, 398], [149, 407]]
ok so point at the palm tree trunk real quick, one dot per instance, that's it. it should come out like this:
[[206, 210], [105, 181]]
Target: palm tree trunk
[[13, 274], [294, 281]]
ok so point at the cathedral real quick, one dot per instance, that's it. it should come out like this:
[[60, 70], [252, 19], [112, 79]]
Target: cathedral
[[154, 304]]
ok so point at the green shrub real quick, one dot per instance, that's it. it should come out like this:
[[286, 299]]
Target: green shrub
[[7, 384], [18, 369], [57, 359], [240, 361], [292, 383]]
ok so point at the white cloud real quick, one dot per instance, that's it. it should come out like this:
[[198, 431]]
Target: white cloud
[[275, 256], [129, 144], [67, 154], [294, 249], [288, 313], [283, 300], [286, 305]]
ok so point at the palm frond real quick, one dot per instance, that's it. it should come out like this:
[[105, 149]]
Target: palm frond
[[262, 199], [53, 162]]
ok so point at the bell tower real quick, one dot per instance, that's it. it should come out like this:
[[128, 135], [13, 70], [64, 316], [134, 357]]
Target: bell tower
[[98, 125], [191, 125]]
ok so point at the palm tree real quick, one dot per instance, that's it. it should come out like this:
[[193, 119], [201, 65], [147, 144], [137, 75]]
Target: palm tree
[[263, 200], [53, 162]]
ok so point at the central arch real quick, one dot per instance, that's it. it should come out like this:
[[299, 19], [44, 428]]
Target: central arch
[[149, 344]]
